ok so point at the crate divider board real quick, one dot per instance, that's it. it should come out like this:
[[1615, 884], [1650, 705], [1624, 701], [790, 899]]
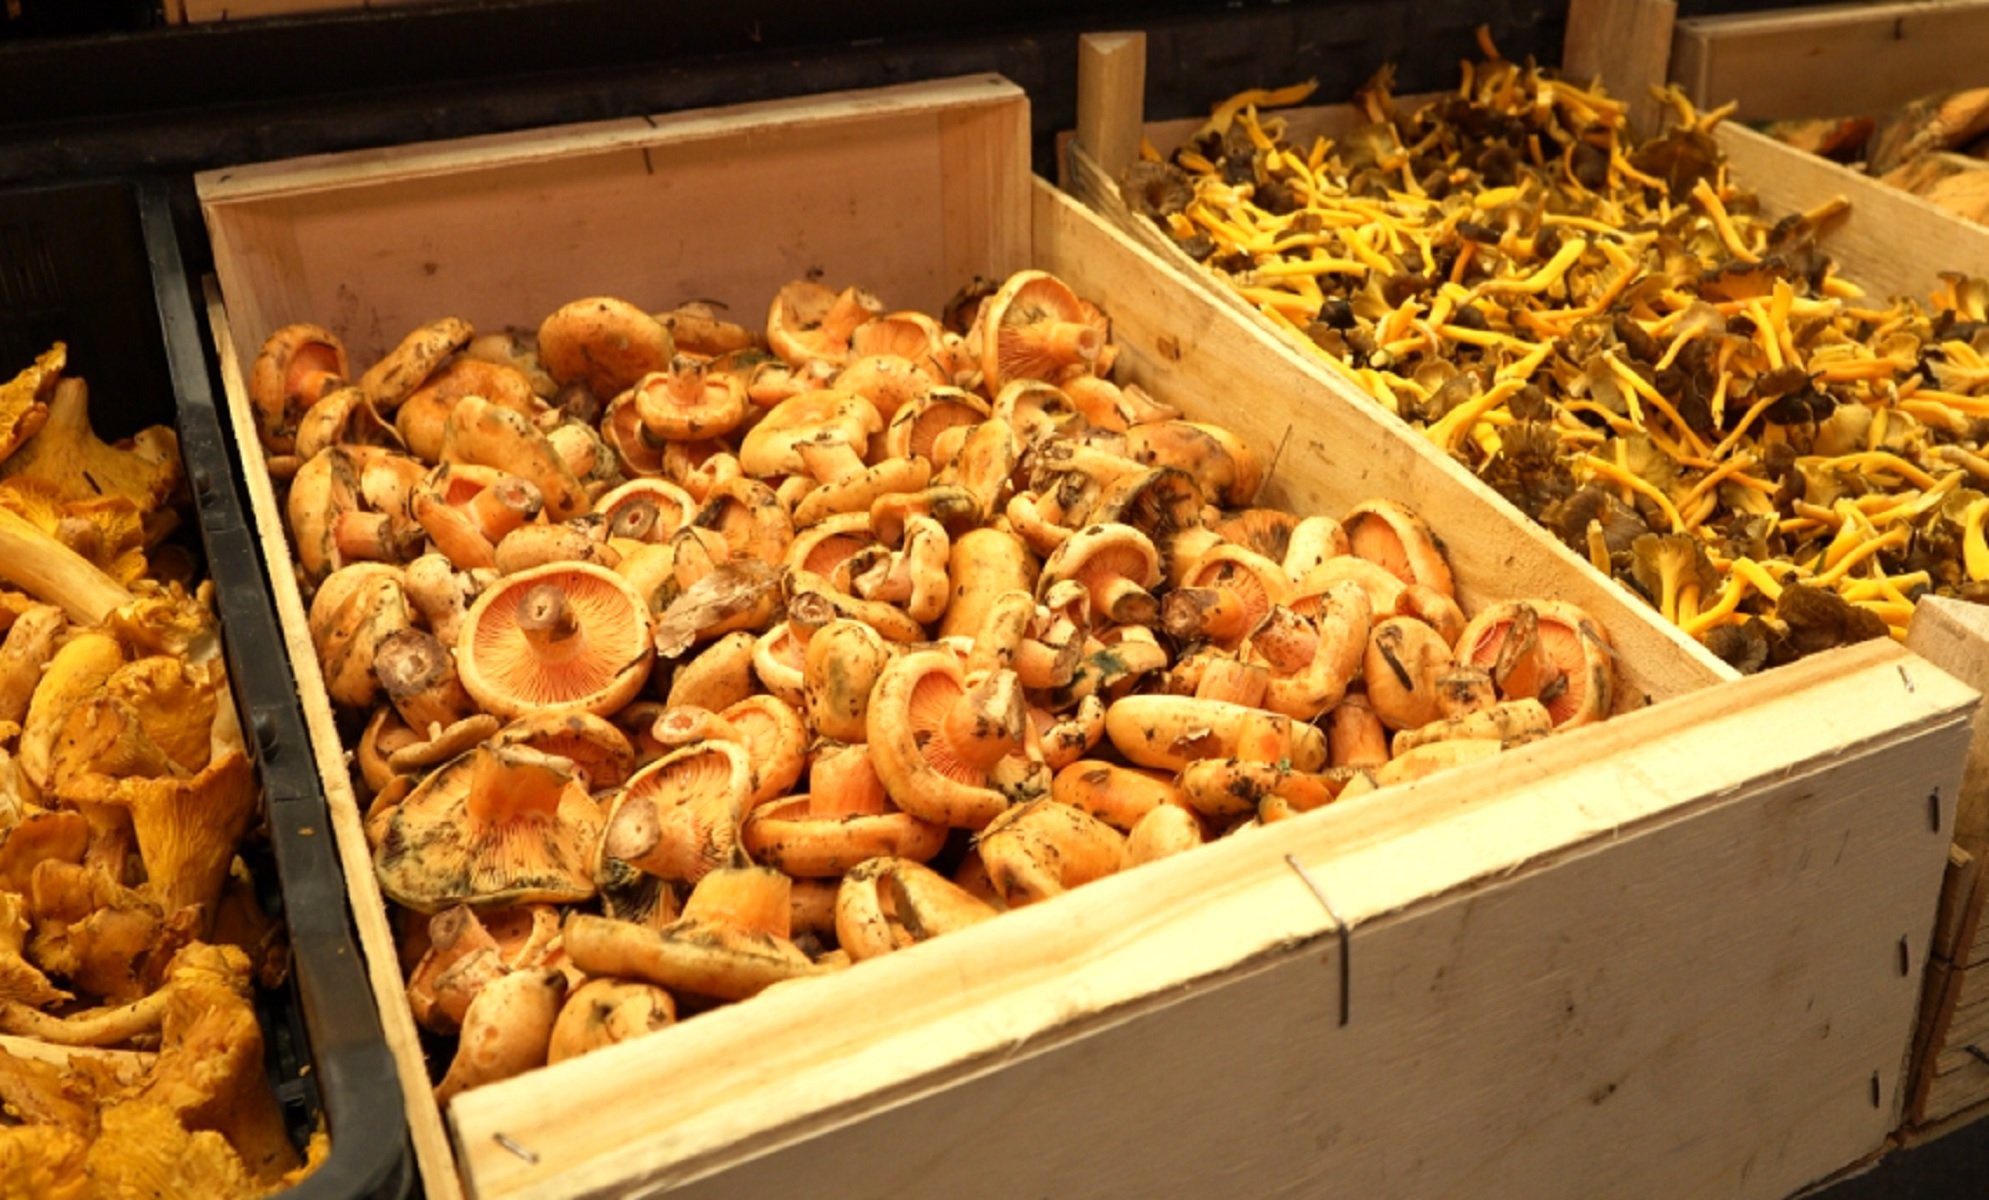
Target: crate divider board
[[1836, 60], [912, 190]]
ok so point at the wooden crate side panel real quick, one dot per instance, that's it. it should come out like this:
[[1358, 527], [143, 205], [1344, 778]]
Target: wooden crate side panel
[[1626, 44], [906, 199], [1544, 1031], [1334, 447], [766, 1073], [1894, 244], [377, 944], [1954, 636], [1840, 60]]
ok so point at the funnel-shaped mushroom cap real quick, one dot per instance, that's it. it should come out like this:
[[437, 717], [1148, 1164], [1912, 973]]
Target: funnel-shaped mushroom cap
[[1035, 327], [567, 634], [678, 818], [822, 433], [495, 826], [1548, 650], [645, 510], [187, 828], [408, 365], [809, 321]]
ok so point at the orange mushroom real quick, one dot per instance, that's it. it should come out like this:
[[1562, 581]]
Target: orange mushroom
[[645, 510], [407, 366], [888, 904], [822, 434], [1548, 650], [1385, 533], [687, 403], [936, 739], [845, 818], [731, 943], [1035, 327], [1116, 564], [566, 634], [296, 367], [678, 818], [808, 321], [494, 827], [1224, 595], [603, 342]]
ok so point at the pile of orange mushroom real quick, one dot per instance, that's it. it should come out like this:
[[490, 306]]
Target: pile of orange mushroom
[[682, 661], [131, 1062]]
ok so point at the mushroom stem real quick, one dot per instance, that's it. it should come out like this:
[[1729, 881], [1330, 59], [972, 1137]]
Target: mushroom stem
[[1127, 603], [1069, 342], [1355, 737], [1225, 678], [98, 1027], [511, 781], [372, 537], [53, 573], [986, 724], [842, 783], [419, 675], [749, 899], [545, 618], [504, 506]]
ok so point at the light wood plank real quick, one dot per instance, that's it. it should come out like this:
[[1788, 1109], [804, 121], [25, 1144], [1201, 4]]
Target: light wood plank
[[1626, 44], [1838, 60], [1954, 636], [1111, 97], [1494, 1011], [369, 911]]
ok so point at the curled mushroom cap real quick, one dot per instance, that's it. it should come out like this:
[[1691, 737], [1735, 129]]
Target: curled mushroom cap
[[407, 366], [936, 740], [822, 433], [1043, 848], [678, 818], [562, 635], [298, 364], [493, 827], [603, 1012], [1224, 596], [1116, 564], [809, 321], [1548, 650], [1386, 533], [1035, 327], [845, 818], [600, 753], [731, 943], [1225, 466], [887, 904], [1402, 666], [604, 343]]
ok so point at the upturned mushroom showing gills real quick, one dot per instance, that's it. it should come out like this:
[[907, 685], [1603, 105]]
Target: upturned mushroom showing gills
[[495, 826], [565, 635], [846, 595]]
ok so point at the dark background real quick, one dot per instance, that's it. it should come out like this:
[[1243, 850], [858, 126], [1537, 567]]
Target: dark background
[[102, 89]]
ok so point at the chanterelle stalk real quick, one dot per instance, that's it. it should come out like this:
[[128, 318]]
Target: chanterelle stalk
[[54, 574]]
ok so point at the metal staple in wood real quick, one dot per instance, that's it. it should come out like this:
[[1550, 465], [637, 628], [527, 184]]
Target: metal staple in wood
[[1341, 929]]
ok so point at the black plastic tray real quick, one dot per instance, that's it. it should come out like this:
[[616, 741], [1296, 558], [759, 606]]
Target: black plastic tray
[[99, 265]]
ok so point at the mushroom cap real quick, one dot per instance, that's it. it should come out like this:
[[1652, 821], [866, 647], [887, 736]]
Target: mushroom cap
[[187, 828], [355, 610], [916, 427], [807, 320], [917, 697], [493, 827], [603, 342], [345, 417], [408, 365], [678, 818], [1575, 642], [603, 1012], [687, 404], [1389, 535], [597, 664], [646, 510], [1013, 322], [1169, 732], [1100, 556], [1249, 584], [887, 904], [599, 752], [824, 417], [1225, 466], [296, 365]]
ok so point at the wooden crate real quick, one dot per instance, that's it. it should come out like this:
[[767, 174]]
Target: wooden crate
[[1893, 243], [1832, 60], [193, 12], [1672, 949]]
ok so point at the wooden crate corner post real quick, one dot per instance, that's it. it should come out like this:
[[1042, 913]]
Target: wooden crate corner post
[[1627, 44]]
